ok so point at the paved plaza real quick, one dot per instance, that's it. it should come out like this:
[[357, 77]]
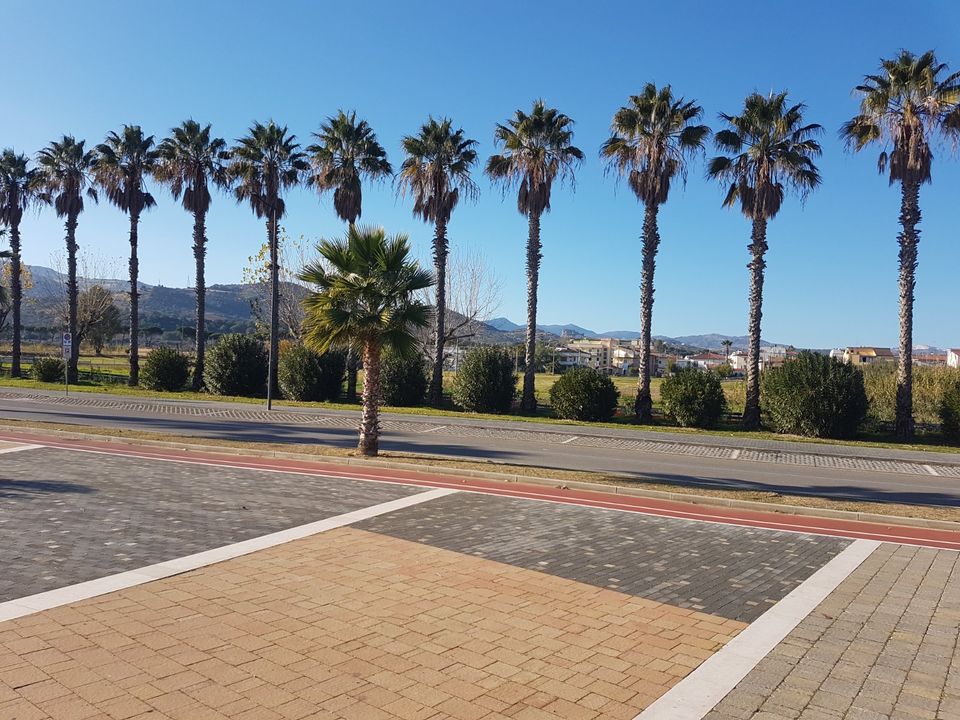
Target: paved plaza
[[151, 587]]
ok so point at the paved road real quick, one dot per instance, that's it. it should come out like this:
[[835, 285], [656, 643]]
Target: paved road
[[897, 476]]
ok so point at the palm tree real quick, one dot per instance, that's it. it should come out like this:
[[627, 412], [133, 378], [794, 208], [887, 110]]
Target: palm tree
[[346, 153], [65, 168], [19, 190], [903, 108], [537, 149], [190, 161], [366, 299], [123, 162], [264, 164], [772, 152], [435, 171], [727, 344], [652, 138]]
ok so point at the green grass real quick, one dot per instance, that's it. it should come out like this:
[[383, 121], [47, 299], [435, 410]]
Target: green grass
[[928, 442]]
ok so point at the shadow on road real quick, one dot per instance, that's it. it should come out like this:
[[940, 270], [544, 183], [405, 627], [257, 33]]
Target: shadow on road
[[11, 489]]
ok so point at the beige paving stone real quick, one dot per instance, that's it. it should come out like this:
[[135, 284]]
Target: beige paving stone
[[349, 624]]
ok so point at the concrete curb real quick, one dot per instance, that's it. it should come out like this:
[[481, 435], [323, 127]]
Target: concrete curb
[[690, 499]]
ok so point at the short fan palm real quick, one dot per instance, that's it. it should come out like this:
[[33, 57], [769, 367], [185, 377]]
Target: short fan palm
[[366, 301]]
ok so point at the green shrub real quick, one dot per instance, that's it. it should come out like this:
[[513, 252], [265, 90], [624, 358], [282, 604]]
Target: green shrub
[[236, 365], [48, 369], [309, 376], [693, 398], [584, 394], [403, 380], [930, 384], [165, 369], [950, 413], [816, 396], [485, 381]]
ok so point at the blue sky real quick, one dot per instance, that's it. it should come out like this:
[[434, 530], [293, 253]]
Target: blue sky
[[87, 68]]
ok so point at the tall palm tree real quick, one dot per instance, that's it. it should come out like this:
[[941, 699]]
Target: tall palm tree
[[903, 108], [727, 344], [536, 149], [366, 299], [264, 163], [771, 152], [346, 153], [123, 162], [190, 161], [436, 170], [65, 168], [652, 139], [19, 190]]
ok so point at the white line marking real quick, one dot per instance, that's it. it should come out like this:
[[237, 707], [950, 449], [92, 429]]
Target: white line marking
[[19, 448], [735, 453], [434, 429], [930, 470], [569, 440], [697, 694], [92, 588]]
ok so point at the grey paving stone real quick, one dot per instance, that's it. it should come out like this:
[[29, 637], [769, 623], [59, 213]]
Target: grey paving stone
[[67, 517], [725, 570], [882, 645]]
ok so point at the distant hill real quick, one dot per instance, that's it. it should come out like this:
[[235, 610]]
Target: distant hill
[[504, 325]]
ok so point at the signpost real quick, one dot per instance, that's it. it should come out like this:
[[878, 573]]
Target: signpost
[[67, 352]]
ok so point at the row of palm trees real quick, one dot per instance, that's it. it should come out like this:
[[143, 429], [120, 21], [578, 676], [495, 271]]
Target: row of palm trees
[[766, 151]]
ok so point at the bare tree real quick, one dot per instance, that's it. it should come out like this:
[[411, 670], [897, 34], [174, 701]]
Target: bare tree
[[295, 254]]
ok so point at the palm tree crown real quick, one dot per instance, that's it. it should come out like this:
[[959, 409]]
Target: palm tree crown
[[366, 292], [19, 187], [537, 149], [903, 107], [437, 169], [188, 161], [264, 163], [65, 174], [346, 153], [772, 151], [651, 140], [122, 163]]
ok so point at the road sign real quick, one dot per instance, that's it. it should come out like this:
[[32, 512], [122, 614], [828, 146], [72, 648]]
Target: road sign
[[67, 344]]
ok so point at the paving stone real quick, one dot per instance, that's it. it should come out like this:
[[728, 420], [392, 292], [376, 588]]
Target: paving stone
[[67, 517], [724, 570]]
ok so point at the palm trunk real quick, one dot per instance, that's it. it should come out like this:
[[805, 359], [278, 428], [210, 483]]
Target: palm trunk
[[528, 402], [369, 444], [134, 303], [72, 294], [274, 310], [909, 238], [16, 296], [758, 247], [651, 241], [435, 393], [199, 255]]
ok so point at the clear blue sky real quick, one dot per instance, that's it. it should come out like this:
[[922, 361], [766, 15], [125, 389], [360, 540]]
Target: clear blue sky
[[86, 68]]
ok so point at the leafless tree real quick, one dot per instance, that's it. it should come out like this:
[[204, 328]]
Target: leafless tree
[[295, 254]]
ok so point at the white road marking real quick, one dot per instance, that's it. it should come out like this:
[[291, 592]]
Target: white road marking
[[930, 470], [569, 440], [434, 429], [19, 448], [92, 588], [698, 693], [735, 453]]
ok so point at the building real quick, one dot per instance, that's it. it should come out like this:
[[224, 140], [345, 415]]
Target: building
[[867, 355], [706, 361], [738, 361], [953, 358]]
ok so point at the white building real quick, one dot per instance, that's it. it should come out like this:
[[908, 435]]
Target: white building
[[953, 358]]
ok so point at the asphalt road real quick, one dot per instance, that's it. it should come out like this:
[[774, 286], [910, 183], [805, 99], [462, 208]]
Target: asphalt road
[[521, 447]]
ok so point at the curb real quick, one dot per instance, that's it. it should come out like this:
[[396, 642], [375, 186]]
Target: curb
[[609, 489]]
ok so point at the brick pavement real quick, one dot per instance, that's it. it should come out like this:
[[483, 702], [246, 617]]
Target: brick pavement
[[351, 624], [882, 646], [66, 517], [725, 570]]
